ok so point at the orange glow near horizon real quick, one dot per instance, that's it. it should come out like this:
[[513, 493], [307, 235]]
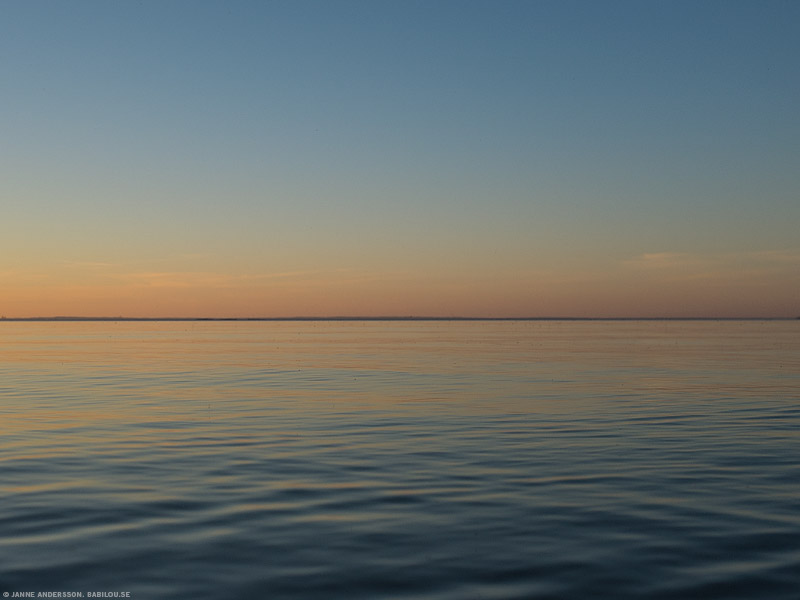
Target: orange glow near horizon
[[650, 286]]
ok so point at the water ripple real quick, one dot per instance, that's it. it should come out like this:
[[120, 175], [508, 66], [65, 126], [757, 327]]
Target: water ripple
[[485, 460]]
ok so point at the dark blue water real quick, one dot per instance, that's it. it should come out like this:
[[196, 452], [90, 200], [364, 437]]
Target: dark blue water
[[435, 460]]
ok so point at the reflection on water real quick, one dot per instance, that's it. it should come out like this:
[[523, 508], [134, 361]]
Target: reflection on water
[[441, 460]]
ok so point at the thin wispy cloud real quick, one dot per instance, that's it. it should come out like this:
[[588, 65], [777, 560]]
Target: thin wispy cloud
[[665, 260], [213, 279], [175, 279], [22, 277], [281, 275], [780, 256], [711, 264], [75, 264]]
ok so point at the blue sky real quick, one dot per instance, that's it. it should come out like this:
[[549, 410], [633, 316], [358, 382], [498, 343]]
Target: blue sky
[[490, 157]]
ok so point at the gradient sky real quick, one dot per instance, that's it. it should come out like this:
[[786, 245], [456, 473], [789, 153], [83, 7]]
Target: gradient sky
[[498, 158]]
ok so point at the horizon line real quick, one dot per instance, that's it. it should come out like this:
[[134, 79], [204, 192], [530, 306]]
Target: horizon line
[[393, 318]]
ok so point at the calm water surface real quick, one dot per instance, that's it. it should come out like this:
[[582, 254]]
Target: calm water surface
[[401, 460]]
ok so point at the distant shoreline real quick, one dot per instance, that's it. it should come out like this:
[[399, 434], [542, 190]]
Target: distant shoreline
[[381, 318]]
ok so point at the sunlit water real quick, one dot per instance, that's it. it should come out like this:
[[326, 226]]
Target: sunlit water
[[425, 460]]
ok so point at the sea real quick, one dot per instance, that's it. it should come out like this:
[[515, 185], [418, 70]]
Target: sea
[[402, 460]]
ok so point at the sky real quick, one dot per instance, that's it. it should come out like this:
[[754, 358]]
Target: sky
[[164, 158]]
